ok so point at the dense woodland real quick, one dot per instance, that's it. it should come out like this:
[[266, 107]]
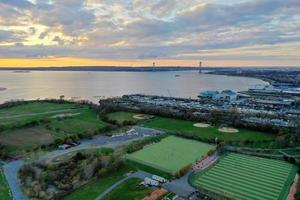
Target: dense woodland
[[52, 180]]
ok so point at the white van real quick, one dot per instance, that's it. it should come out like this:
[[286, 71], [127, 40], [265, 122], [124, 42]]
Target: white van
[[150, 182], [159, 179]]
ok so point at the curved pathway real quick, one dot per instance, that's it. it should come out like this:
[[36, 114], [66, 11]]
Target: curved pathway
[[11, 173], [138, 174], [11, 169]]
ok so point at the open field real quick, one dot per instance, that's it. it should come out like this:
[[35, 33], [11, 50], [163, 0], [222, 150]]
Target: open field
[[171, 154], [86, 121], [187, 128], [241, 177], [26, 138], [129, 190], [4, 189], [152, 170], [93, 189], [55, 121], [120, 117], [21, 114]]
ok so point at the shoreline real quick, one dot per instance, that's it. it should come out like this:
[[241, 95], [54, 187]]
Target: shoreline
[[271, 77], [238, 75]]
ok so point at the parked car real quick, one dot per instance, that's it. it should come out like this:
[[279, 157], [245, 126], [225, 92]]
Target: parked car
[[159, 179], [64, 146], [150, 182]]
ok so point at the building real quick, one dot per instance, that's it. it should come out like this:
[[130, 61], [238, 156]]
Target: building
[[208, 94], [226, 95]]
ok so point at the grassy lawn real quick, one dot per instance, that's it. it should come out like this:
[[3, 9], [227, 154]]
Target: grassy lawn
[[128, 190], [21, 114], [4, 189], [139, 166], [35, 107], [187, 128], [239, 176], [171, 154], [96, 187], [59, 121], [120, 117], [86, 121], [26, 138]]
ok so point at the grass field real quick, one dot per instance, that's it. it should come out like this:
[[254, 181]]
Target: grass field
[[96, 187], [241, 177], [128, 190], [187, 128], [4, 189], [171, 154], [58, 122], [86, 121], [27, 138], [21, 114], [120, 117], [144, 167]]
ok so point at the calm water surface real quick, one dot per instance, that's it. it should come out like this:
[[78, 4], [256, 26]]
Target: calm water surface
[[94, 85]]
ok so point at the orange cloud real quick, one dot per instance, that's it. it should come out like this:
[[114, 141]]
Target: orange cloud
[[73, 61]]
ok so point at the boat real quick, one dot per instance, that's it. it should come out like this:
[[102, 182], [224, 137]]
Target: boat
[[21, 71]]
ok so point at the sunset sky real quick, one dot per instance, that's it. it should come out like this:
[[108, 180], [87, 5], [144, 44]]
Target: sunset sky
[[139, 32]]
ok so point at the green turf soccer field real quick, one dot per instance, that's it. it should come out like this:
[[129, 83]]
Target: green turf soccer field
[[247, 177], [171, 154]]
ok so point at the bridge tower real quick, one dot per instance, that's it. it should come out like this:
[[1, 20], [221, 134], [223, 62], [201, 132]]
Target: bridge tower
[[200, 67]]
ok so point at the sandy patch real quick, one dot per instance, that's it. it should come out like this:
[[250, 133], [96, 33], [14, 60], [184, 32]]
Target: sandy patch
[[65, 115], [142, 116], [228, 130], [156, 194], [201, 125]]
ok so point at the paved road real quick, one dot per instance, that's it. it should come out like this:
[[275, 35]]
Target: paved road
[[11, 173], [180, 186], [104, 141], [11, 169], [138, 174]]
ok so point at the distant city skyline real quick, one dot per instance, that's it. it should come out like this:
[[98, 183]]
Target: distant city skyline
[[43, 33]]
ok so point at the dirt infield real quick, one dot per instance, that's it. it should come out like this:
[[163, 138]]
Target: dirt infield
[[228, 130], [142, 116], [201, 125]]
